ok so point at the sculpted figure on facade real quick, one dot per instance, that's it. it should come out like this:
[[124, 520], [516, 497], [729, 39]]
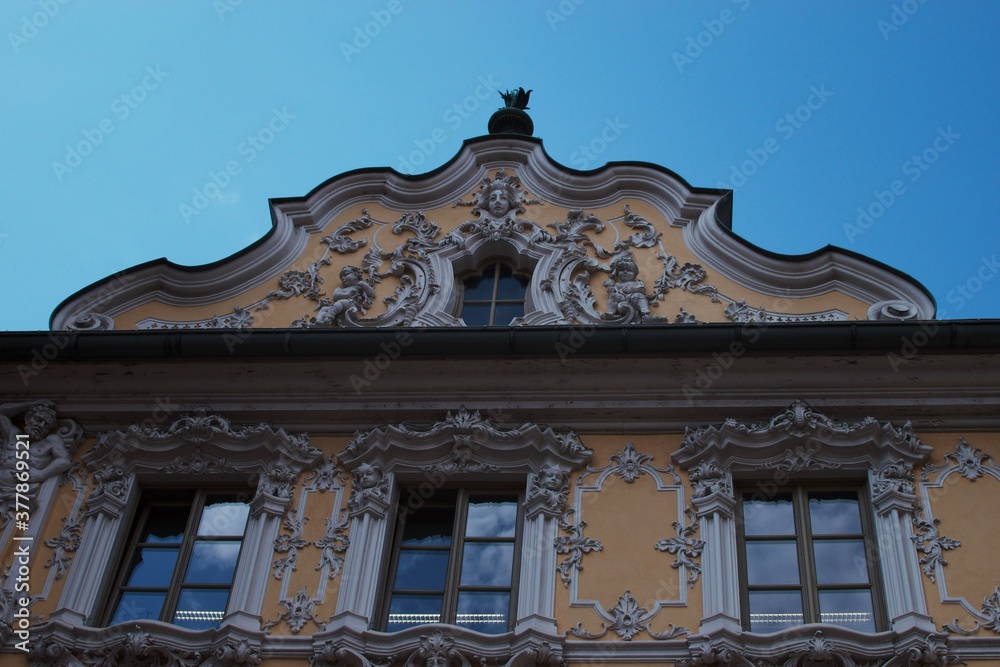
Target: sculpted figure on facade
[[47, 447], [626, 292], [355, 294]]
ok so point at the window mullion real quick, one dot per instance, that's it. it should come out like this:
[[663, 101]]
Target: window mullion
[[184, 555], [807, 566], [449, 608]]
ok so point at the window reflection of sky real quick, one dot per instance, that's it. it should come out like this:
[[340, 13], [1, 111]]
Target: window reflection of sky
[[212, 563], [770, 517], [833, 515], [224, 519], [491, 519], [487, 564], [772, 563]]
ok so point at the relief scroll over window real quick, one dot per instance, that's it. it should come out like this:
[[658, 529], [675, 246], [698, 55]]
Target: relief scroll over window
[[195, 559], [763, 490], [470, 493], [413, 270]]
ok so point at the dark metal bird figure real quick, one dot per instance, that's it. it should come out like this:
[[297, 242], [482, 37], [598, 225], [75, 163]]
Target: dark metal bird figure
[[516, 100]]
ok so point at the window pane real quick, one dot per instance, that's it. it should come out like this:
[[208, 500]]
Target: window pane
[[480, 288], [408, 610], [224, 518], [483, 612], [165, 524], [212, 563], [431, 526], [771, 611], [492, 517], [487, 563], [840, 561], [772, 516], [152, 567], [201, 608], [852, 609], [134, 606], [421, 570], [772, 563], [476, 315], [834, 513], [506, 312], [512, 287]]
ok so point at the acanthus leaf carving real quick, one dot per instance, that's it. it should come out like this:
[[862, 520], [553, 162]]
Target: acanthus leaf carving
[[685, 546], [627, 619], [708, 479], [575, 544], [238, 654], [298, 611], [334, 543], [437, 650], [289, 543], [990, 616], [64, 545], [895, 476], [970, 462], [630, 464], [930, 543]]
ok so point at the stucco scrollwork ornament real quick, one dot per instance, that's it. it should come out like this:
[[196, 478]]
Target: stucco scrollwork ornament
[[896, 310], [802, 458], [548, 488], [708, 479], [298, 611], [627, 619], [278, 481], [462, 459], [968, 461], [198, 463], [989, 615], [437, 650], [685, 546], [369, 489], [326, 476], [91, 322], [574, 544], [497, 204], [335, 542], [52, 443], [238, 654], [111, 481], [930, 543], [896, 476], [240, 318], [630, 464], [133, 649], [63, 546], [289, 543]]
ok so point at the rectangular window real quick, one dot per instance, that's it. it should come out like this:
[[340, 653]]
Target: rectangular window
[[455, 560], [805, 557], [181, 559]]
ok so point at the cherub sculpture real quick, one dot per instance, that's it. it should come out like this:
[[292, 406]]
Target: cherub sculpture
[[626, 293], [354, 294]]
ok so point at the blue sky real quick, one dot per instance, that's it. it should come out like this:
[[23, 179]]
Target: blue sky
[[810, 111]]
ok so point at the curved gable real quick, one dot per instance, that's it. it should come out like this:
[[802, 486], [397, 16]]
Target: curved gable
[[626, 243]]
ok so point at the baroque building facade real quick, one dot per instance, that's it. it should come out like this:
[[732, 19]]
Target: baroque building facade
[[502, 413]]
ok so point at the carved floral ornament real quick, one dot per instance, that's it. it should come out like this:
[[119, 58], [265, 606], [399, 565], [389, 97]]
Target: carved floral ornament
[[415, 284], [198, 444]]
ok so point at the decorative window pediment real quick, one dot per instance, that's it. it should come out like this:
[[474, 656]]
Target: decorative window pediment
[[800, 444]]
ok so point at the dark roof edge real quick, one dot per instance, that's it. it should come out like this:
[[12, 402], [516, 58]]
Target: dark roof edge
[[905, 339]]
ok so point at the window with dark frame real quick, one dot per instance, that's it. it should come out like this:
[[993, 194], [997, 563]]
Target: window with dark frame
[[494, 296], [806, 557], [455, 560], [181, 559]]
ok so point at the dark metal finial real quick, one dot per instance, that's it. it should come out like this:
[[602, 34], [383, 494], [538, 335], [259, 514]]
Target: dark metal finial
[[515, 99]]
